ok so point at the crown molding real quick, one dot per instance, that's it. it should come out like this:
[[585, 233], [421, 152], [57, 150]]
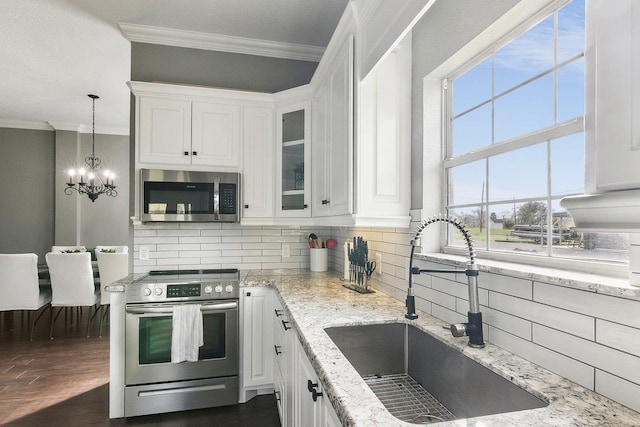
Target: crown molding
[[74, 127], [219, 42], [19, 124]]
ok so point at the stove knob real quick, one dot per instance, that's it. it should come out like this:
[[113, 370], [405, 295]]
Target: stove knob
[[146, 292], [219, 288], [229, 288], [208, 289], [158, 292]]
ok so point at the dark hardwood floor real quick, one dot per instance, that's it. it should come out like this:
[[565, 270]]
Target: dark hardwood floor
[[65, 382]]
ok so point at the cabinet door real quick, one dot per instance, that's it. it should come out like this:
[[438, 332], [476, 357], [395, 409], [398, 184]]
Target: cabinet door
[[284, 339], [340, 180], [258, 171], [216, 135], [293, 160], [333, 138], [164, 131], [257, 337], [613, 50], [308, 411]]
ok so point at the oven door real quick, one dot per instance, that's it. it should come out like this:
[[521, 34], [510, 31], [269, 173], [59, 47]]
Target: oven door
[[148, 344]]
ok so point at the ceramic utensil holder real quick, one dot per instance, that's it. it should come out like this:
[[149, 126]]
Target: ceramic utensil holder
[[318, 258]]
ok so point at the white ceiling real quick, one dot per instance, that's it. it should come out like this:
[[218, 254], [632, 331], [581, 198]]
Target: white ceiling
[[55, 52]]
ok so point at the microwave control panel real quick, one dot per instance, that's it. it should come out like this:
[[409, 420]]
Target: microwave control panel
[[228, 199]]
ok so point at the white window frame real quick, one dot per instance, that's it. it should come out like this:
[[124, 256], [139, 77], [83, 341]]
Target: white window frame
[[515, 22]]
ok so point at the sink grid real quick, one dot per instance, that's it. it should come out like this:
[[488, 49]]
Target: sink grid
[[407, 400]]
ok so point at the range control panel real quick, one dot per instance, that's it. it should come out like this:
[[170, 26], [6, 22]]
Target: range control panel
[[141, 292]]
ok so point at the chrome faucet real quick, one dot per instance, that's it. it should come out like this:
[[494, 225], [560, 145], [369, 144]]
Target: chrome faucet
[[473, 327]]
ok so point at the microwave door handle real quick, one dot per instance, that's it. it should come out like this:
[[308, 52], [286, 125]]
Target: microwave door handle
[[216, 197]]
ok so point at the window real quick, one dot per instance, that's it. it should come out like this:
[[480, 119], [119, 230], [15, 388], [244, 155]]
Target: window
[[515, 143]]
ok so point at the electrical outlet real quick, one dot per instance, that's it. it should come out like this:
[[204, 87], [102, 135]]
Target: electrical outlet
[[379, 264], [144, 253], [286, 251]]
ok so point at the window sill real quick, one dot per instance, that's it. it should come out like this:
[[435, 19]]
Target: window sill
[[600, 284]]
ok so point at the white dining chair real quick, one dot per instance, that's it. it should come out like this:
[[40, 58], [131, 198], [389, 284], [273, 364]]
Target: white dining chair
[[111, 267], [112, 249], [72, 283], [66, 249], [19, 287]]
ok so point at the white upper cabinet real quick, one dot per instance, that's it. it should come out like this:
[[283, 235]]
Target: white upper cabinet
[[613, 67], [383, 183], [258, 165], [192, 127], [333, 137], [293, 160], [164, 130], [215, 134]]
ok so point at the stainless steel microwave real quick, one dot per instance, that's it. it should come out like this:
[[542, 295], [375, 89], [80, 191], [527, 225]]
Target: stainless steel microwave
[[189, 196]]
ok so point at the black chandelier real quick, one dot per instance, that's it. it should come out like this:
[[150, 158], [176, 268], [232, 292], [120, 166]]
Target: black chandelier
[[94, 185]]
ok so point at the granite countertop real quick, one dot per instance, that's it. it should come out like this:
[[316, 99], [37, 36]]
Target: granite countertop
[[315, 301]]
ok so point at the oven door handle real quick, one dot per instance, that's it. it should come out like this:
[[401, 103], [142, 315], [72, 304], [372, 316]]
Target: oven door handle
[[169, 308]]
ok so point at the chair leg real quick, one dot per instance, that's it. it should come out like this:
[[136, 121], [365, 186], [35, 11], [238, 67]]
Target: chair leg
[[103, 317], [35, 320], [53, 321], [90, 317]]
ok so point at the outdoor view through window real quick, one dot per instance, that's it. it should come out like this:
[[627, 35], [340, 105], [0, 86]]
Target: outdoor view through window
[[515, 143]]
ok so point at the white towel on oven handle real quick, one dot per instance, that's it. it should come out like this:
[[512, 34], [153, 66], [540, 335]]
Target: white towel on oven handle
[[187, 335]]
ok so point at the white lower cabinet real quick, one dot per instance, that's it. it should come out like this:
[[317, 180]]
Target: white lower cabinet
[[256, 344], [296, 382]]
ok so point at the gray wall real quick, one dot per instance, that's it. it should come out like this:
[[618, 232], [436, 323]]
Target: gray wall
[[106, 221], [26, 191], [36, 213], [442, 31], [168, 64]]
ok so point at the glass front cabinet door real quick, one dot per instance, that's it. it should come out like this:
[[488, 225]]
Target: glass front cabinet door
[[293, 173]]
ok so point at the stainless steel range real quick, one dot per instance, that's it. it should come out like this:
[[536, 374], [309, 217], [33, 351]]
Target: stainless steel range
[[153, 383]]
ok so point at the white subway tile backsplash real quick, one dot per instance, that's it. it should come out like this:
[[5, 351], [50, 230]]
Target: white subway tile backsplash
[[156, 240], [200, 254], [200, 239], [506, 322], [507, 285], [164, 254], [261, 232], [618, 389], [446, 315], [144, 233], [241, 239], [177, 261], [615, 309], [589, 352], [224, 261], [178, 232], [567, 367], [573, 323], [220, 246], [259, 246], [221, 233], [179, 247], [618, 336]]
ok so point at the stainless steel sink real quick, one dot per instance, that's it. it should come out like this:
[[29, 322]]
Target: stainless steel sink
[[420, 379]]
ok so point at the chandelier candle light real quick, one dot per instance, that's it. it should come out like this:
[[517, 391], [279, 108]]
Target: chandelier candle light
[[94, 185]]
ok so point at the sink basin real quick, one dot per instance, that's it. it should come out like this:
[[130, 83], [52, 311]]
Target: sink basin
[[421, 380]]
